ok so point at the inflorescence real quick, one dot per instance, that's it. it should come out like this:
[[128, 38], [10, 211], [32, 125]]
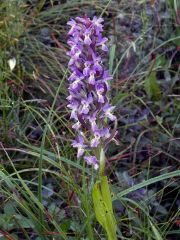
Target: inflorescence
[[88, 87]]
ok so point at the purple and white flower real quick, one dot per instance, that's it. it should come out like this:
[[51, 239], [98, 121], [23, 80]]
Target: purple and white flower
[[88, 87]]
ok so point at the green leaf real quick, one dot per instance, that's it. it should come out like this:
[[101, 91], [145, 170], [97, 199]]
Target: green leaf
[[24, 222], [159, 119], [148, 182], [9, 209], [106, 193], [112, 57], [65, 226], [98, 204], [160, 61], [155, 231], [103, 207], [151, 87], [119, 98]]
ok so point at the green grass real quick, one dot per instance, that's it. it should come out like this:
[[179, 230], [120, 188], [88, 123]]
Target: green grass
[[45, 192]]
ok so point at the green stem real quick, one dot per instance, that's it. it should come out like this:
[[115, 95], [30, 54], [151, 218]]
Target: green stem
[[102, 162], [88, 210]]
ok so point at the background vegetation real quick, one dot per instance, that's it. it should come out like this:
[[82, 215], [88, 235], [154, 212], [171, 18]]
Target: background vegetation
[[45, 192]]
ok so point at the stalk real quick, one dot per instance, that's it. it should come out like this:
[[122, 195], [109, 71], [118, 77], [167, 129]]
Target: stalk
[[101, 162], [90, 107]]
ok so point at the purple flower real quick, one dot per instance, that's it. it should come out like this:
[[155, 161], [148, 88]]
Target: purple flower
[[95, 141], [92, 160], [79, 144], [97, 22], [88, 86], [101, 43], [91, 79], [107, 109], [101, 89], [73, 25]]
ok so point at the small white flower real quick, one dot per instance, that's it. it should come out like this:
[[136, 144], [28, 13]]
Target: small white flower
[[12, 63]]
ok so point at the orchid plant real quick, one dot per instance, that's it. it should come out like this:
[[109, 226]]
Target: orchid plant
[[90, 107]]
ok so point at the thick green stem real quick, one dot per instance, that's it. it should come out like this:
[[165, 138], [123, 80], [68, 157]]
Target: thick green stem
[[102, 162]]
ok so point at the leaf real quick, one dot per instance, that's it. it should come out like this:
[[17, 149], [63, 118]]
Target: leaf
[[24, 222], [151, 87], [103, 207], [9, 209], [106, 193], [148, 182], [155, 231], [65, 226], [98, 204], [112, 57], [159, 119], [119, 98], [160, 61]]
